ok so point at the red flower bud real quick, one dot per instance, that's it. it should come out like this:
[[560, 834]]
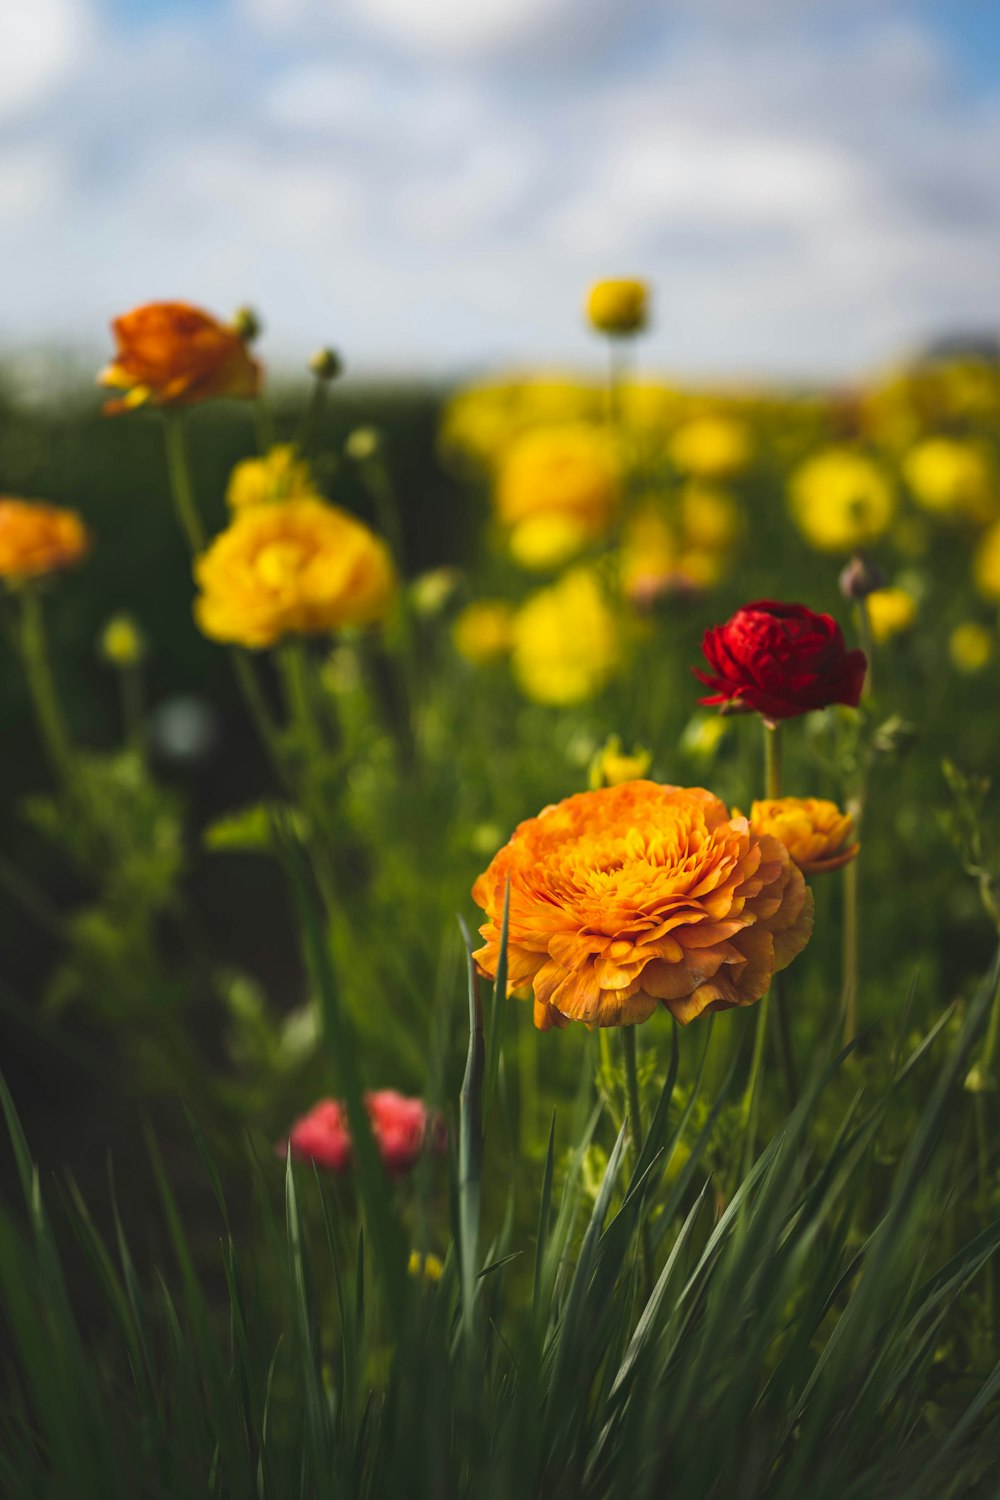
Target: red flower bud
[[780, 660]]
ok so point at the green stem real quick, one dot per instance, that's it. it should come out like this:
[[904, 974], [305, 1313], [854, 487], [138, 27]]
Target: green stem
[[181, 487], [772, 759], [253, 695], [311, 417], [849, 996], [751, 1099], [41, 685], [298, 691], [864, 621], [264, 424], [981, 1109], [635, 1132], [130, 687]]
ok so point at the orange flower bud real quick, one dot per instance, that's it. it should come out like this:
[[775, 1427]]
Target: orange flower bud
[[816, 834]]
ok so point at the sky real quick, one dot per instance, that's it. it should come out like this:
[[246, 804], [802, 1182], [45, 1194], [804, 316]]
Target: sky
[[811, 187]]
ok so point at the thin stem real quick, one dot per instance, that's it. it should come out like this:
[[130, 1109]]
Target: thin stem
[[864, 621], [130, 689], [298, 690], [772, 759], [41, 685], [635, 1131], [253, 695], [751, 1099], [991, 1040], [849, 997], [181, 487]]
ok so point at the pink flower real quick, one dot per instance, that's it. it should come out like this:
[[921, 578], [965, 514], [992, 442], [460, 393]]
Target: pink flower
[[402, 1128], [323, 1136]]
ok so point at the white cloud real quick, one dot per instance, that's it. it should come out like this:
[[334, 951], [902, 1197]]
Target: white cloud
[[41, 41], [457, 28]]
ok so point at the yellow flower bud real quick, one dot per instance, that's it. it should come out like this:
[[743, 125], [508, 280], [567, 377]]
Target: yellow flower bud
[[279, 475], [618, 307], [891, 612], [482, 633], [611, 767], [971, 646], [121, 642], [428, 1267]]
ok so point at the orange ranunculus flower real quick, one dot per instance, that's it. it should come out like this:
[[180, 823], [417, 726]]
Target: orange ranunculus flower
[[300, 568], [171, 354], [36, 539], [637, 896], [816, 834]]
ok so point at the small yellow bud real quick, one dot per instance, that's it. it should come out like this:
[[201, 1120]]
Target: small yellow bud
[[431, 591], [618, 307], [970, 646], [121, 642], [610, 767], [326, 364], [428, 1267], [363, 443], [246, 324]]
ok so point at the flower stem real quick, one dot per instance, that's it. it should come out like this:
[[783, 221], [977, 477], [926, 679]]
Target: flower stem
[[772, 759], [298, 690], [181, 487], [635, 1132], [41, 685], [849, 998], [751, 1099]]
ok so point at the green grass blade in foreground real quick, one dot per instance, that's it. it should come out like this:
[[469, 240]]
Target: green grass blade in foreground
[[470, 1150], [498, 1006], [386, 1233]]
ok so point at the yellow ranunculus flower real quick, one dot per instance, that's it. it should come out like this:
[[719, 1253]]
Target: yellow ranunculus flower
[[841, 500], [611, 766], [545, 542], [952, 478], [301, 568], [279, 475], [711, 447], [816, 833], [971, 646], [567, 641], [568, 470], [618, 307], [890, 612], [986, 563], [709, 518], [482, 632]]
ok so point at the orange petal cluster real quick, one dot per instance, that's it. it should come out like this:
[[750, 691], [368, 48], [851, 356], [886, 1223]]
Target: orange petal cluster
[[172, 354], [641, 895], [36, 539]]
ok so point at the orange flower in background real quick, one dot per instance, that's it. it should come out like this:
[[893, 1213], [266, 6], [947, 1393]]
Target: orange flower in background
[[36, 539], [172, 354], [640, 895], [817, 835], [300, 568]]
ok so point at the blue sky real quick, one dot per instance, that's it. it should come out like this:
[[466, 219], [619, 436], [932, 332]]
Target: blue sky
[[811, 188]]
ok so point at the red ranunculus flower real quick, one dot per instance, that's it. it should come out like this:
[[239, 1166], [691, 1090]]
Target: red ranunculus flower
[[780, 660], [402, 1129]]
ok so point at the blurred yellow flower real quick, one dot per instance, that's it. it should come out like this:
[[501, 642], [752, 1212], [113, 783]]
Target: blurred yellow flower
[[302, 568], [891, 611], [986, 563], [279, 475], [841, 500], [611, 766], [816, 833], [431, 591], [710, 519], [543, 543], [971, 646], [953, 479], [36, 539], [568, 472], [427, 1267], [483, 631], [121, 642], [567, 641], [618, 307], [711, 447]]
